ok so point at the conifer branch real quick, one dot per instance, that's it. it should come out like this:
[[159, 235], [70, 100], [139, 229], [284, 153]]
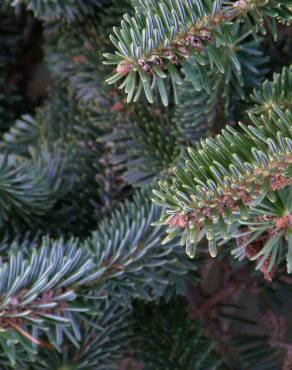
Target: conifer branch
[[44, 295], [59, 9], [277, 92], [227, 181], [164, 36], [129, 256], [156, 332], [71, 280], [31, 186], [104, 341], [40, 293], [200, 113], [144, 144]]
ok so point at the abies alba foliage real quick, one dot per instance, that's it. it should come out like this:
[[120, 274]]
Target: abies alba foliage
[[165, 37], [145, 185], [238, 186]]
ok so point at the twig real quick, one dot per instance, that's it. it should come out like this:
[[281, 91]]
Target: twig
[[28, 336], [216, 298]]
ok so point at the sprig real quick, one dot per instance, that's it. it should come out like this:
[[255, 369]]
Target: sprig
[[166, 35], [226, 181], [39, 296]]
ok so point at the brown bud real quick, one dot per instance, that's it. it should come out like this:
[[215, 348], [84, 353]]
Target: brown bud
[[157, 60], [144, 64], [206, 35], [169, 54]]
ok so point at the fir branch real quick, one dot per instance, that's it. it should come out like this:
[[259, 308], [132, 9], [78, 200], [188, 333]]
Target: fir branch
[[144, 144], [25, 193], [129, 256], [162, 36], [66, 133], [21, 135], [67, 304], [103, 343], [225, 183], [199, 113], [167, 339], [275, 93], [67, 10], [40, 292], [55, 284], [31, 187], [75, 55]]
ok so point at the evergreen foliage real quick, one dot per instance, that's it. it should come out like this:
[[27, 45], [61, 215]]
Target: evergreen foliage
[[201, 113], [167, 339], [67, 10], [145, 144], [164, 35], [93, 275], [274, 93], [61, 279], [75, 55], [236, 185], [29, 188]]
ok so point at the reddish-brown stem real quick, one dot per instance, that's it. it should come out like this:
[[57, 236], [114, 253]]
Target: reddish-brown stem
[[28, 336], [209, 303]]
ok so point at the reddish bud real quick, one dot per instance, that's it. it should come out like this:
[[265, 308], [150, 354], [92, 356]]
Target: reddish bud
[[268, 275], [79, 59], [284, 222], [279, 181], [179, 221], [123, 68], [118, 106]]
